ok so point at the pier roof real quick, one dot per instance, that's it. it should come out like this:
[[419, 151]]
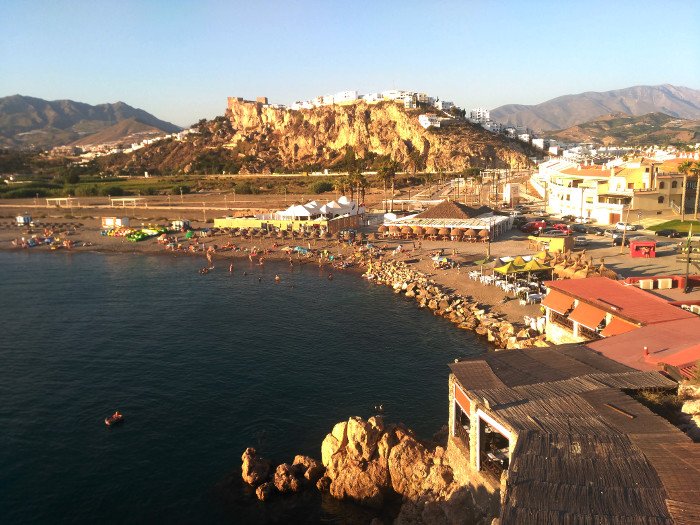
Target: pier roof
[[585, 451]]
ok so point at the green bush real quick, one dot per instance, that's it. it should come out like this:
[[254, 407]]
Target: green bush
[[321, 186], [177, 190], [86, 191], [246, 188], [114, 191]]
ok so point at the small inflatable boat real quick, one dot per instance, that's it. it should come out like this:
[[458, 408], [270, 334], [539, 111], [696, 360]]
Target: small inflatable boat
[[114, 419]]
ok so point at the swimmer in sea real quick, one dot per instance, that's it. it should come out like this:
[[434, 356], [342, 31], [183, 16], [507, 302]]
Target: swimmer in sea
[[259, 279], [277, 278], [230, 268]]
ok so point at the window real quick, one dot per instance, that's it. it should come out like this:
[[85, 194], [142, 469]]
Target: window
[[630, 185], [674, 184], [661, 200], [662, 185]]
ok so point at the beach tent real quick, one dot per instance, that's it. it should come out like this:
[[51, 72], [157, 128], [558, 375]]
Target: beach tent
[[508, 268], [297, 211], [535, 266], [519, 261]]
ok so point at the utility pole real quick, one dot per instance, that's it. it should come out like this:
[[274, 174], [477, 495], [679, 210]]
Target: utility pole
[[624, 231], [687, 262]]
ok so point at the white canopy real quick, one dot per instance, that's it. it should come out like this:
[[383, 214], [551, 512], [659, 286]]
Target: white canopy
[[296, 211]]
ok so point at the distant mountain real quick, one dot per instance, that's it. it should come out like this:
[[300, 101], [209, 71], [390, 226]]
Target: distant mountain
[[569, 110], [620, 129], [28, 122]]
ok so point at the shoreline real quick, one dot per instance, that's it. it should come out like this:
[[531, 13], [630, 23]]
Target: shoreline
[[447, 293]]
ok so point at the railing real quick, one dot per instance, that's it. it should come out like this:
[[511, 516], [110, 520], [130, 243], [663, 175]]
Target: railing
[[588, 333], [462, 433], [562, 320]]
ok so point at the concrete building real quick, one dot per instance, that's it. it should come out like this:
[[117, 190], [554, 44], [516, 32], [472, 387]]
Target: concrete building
[[426, 120], [605, 192], [479, 115], [444, 105]]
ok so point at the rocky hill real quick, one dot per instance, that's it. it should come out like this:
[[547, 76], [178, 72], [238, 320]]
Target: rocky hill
[[621, 129], [28, 122], [569, 110], [252, 138]]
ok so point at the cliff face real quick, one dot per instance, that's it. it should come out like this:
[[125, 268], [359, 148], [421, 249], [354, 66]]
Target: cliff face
[[322, 135]]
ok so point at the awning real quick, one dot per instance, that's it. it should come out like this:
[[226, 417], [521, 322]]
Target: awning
[[587, 315], [558, 301], [616, 327]]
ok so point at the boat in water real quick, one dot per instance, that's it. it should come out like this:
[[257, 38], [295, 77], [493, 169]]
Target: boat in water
[[114, 419]]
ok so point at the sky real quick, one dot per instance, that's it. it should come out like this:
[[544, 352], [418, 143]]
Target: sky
[[180, 59]]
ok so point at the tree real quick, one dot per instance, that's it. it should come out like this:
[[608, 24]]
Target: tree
[[339, 184], [684, 168], [695, 169], [388, 174]]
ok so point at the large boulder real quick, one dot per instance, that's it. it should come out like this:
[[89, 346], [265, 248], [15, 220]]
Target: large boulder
[[409, 466], [285, 480], [255, 470], [365, 482], [265, 491], [362, 437], [333, 442], [310, 468]]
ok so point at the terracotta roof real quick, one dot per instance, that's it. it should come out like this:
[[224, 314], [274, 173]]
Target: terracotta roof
[[585, 452], [587, 315], [617, 326], [625, 301], [675, 343], [558, 302], [453, 210]]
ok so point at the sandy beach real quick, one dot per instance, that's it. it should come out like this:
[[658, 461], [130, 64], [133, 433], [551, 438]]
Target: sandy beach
[[85, 235]]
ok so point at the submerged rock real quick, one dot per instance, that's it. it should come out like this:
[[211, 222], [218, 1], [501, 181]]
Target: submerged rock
[[285, 480]]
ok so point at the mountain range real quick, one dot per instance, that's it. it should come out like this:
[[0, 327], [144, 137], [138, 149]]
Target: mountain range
[[620, 129], [570, 110], [29, 122]]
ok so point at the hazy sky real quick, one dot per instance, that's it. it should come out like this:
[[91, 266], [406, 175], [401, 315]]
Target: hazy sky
[[180, 59]]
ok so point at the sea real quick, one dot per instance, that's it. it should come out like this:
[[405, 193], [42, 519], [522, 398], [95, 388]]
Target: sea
[[202, 366]]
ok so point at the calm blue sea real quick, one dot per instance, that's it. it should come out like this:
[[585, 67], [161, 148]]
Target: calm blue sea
[[202, 367]]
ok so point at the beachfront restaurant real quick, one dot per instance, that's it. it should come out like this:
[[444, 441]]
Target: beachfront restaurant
[[450, 220], [552, 435], [331, 217]]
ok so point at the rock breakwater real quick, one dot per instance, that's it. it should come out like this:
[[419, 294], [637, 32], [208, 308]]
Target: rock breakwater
[[461, 310]]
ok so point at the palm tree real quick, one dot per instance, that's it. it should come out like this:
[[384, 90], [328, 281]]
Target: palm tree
[[339, 185], [695, 169], [684, 168], [388, 173]]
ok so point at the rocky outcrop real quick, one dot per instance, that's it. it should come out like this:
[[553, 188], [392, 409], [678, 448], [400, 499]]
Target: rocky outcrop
[[322, 135], [381, 461], [690, 395], [373, 463], [458, 309]]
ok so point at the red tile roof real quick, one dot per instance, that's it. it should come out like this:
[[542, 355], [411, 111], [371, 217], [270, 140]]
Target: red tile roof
[[617, 326], [675, 343], [625, 301]]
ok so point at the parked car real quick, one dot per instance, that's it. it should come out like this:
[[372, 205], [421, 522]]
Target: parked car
[[617, 241], [568, 218], [668, 233], [594, 230], [533, 227], [613, 233], [580, 241], [579, 228], [553, 232], [562, 227], [626, 226], [583, 220]]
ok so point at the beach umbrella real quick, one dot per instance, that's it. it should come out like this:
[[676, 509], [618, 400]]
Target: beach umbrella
[[431, 231], [382, 229], [470, 233], [407, 230], [418, 230], [444, 232], [484, 233]]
